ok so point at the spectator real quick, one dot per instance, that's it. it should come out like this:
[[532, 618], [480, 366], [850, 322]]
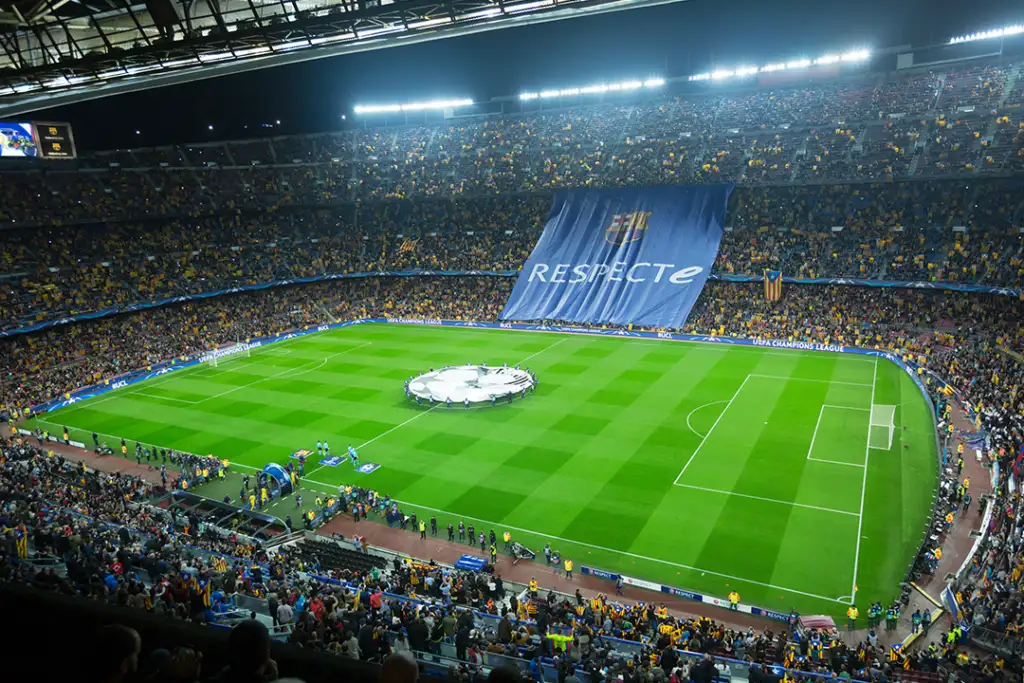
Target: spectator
[[249, 655], [116, 653]]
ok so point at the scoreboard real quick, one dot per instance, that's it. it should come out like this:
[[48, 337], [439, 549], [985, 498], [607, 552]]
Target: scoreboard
[[54, 140], [37, 139]]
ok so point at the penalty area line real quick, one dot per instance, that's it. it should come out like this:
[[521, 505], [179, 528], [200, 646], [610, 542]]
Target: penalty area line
[[769, 500], [284, 373]]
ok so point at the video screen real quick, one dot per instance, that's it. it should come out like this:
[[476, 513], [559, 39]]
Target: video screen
[[16, 140]]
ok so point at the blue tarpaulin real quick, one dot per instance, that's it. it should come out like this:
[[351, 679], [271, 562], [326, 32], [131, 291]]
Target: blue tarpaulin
[[625, 256], [471, 563]]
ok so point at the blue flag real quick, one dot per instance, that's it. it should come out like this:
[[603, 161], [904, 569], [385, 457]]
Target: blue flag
[[627, 256]]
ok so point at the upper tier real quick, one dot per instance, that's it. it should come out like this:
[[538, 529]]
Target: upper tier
[[961, 122]]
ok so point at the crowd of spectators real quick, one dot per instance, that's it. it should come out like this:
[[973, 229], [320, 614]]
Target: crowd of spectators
[[923, 231], [137, 225], [865, 128]]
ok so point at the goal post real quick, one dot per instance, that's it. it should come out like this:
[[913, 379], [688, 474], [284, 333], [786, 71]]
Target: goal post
[[883, 426], [237, 350]]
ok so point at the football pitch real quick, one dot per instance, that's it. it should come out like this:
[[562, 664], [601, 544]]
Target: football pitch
[[701, 466]]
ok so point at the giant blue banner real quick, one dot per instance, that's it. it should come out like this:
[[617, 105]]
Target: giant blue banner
[[35, 326], [629, 256]]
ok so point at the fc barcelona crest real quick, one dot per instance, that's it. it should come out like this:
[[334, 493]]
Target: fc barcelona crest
[[627, 227]]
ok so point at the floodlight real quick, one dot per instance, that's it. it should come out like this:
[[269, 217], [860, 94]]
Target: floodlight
[[1003, 32], [411, 106], [856, 56], [596, 88], [798, 64]]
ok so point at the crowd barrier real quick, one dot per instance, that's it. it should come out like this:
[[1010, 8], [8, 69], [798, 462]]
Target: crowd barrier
[[1004, 644], [689, 595], [156, 303]]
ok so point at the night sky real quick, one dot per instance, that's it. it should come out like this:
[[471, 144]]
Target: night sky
[[670, 40]]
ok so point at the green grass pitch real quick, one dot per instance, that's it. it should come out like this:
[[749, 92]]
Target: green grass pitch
[[703, 466]]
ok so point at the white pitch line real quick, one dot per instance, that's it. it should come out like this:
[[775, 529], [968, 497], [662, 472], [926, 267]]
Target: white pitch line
[[398, 426], [808, 379], [165, 398], [768, 500], [430, 410], [704, 440], [695, 410], [332, 487], [836, 462], [815, 434], [563, 339], [863, 489], [169, 377], [284, 372]]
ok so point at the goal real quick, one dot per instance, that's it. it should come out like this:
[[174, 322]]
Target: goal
[[883, 427], [238, 350]]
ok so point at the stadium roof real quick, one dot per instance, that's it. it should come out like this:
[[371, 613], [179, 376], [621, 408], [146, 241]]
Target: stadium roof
[[57, 52]]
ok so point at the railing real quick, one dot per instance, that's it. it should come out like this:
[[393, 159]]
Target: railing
[[283, 539], [1005, 644]]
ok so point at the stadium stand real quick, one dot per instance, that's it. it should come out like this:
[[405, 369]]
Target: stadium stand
[[920, 172], [332, 557]]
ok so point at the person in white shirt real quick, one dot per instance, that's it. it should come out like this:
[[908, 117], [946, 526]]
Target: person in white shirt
[[285, 613]]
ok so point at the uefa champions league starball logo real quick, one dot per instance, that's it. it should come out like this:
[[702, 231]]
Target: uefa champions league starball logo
[[474, 384]]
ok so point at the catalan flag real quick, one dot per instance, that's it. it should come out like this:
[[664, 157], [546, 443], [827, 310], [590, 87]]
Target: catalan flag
[[772, 285], [21, 543]]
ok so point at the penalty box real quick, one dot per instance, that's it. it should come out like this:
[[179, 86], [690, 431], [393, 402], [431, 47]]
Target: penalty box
[[832, 431]]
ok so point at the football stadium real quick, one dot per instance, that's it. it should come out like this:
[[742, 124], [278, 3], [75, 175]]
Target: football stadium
[[498, 359]]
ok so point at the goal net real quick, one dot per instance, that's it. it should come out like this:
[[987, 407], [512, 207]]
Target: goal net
[[883, 426], [214, 358]]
